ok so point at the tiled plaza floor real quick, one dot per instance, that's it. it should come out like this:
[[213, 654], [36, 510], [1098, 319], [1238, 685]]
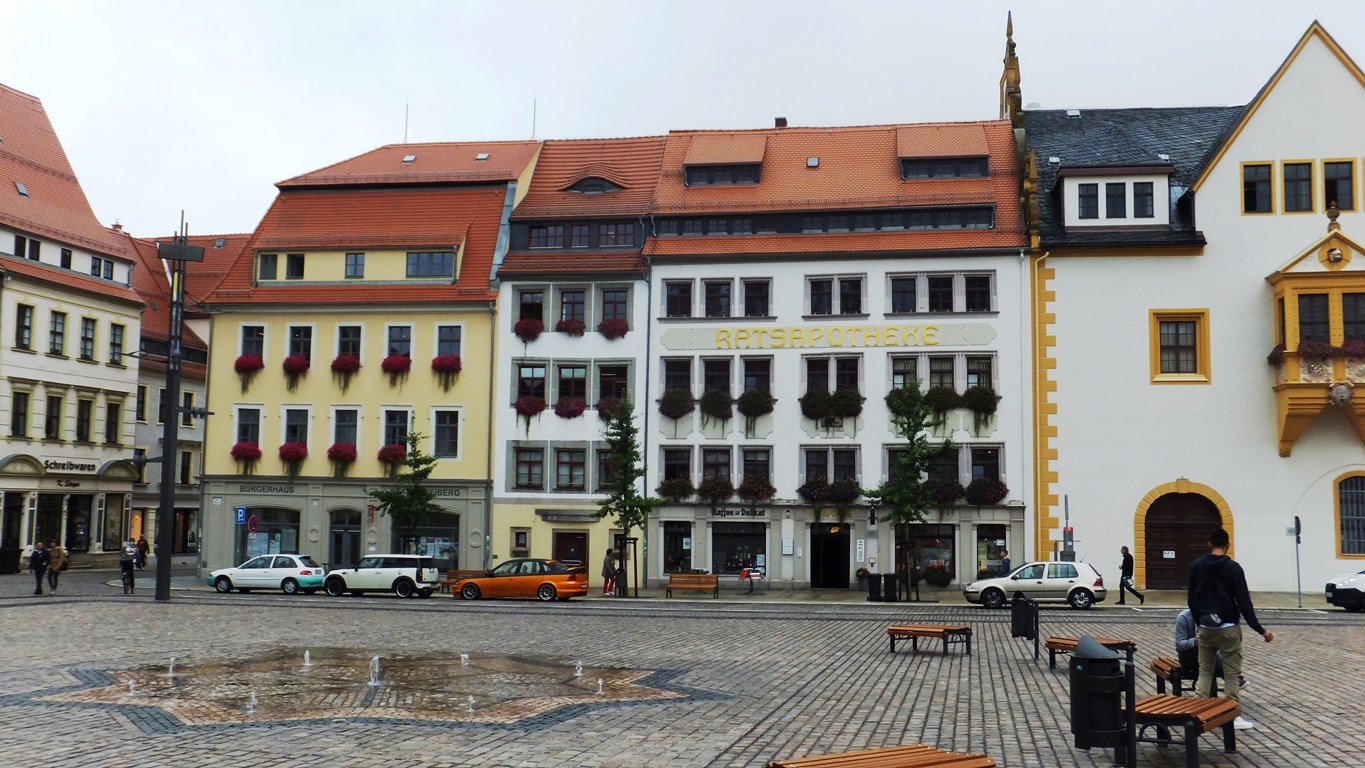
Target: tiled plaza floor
[[746, 681]]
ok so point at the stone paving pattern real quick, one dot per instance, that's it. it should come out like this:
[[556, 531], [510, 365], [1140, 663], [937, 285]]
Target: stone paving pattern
[[764, 678]]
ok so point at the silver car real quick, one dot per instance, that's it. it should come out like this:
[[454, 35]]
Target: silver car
[[1077, 584]]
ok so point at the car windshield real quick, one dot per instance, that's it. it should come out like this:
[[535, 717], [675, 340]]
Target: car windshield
[[308, 561]]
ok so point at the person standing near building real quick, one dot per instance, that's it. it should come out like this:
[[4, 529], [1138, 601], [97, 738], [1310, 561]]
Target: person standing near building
[[1004, 562], [1126, 579], [56, 563], [1217, 598], [37, 564], [141, 552], [609, 574]]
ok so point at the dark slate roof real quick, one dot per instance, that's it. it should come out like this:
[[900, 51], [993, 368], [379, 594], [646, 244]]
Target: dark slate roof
[[1189, 136]]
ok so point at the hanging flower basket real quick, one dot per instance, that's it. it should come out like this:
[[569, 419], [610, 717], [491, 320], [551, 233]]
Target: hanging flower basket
[[571, 327], [614, 328], [606, 408], [715, 490], [717, 405], [1276, 356], [676, 489], [343, 368], [391, 456], [528, 330], [396, 366], [570, 407], [754, 489], [986, 490], [528, 406], [293, 454], [342, 455], [296, 365], [246, 367], [817, 404], [676, 403], [752, 405], [247, 454], [446, 368], [942, 399], [944, 492], [846, 403], [982, 402]]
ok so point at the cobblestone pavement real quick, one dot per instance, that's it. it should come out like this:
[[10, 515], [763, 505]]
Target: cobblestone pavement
[[760, 679]]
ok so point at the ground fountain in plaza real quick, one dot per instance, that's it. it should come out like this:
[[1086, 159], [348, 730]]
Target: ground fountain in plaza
[[307, 659], [374, 671], [170, 669]]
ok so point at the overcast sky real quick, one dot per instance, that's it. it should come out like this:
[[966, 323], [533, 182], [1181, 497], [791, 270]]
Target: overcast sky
[[164, 105]]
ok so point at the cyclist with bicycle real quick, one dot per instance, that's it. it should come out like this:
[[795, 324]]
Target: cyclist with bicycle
[[127, 560]]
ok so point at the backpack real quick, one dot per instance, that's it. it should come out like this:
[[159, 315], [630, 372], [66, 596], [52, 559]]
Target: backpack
[[129, 550]]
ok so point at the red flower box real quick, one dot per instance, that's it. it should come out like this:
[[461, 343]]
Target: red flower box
[[529, 405], [570, 407], [394, 453], [528, 330], [395, 364], [293, 453], [606, 408], [345, 364], [295, 365], [342, 452], [446, 364], [246, 451], [614, 328], [248, 364], [571, 327]]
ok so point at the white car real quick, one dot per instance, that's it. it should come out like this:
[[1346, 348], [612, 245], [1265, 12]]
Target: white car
[[1077, 584], [291, 573], [1347, 591], [403, 575]]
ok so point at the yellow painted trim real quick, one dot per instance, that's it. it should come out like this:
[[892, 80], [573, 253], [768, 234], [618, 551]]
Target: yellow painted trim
[[1241, 187], [1181, 485], [1314, 30], [1336, 510], [1202, 351], [1355, 182], [1312, 187], [1045, 499]]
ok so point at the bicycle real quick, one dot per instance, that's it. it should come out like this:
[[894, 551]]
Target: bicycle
[[129, 581]]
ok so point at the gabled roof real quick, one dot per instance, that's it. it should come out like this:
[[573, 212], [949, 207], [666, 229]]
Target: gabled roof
[[540, 265], [437, 163], [1311, 260], [68, 279], [1314, 31], [1122, 138], [632, 164], [467, 217], [30, 154], [151, 283]]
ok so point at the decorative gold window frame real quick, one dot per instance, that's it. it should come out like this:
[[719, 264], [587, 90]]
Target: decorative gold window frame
[[1200, 318]]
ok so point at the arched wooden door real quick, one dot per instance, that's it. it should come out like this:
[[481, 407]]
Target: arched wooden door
[[1177, 532]]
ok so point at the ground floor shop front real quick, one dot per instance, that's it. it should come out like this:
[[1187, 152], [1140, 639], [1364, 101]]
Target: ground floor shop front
[[84, 506], [336, 522]]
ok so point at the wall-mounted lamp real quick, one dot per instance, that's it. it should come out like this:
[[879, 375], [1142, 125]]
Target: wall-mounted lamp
[[871, 514]]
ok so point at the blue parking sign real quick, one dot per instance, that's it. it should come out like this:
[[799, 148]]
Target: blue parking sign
[[241, 515]]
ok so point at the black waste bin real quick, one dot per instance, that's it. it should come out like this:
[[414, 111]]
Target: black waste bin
[[890, 587], [874, 588], [9, 559], [1024, 618], [1097, 685]]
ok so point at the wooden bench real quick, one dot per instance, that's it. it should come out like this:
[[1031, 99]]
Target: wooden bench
[[454, 575], [1057, 644], [1168, 670], [693, 582], [1164, 712], [911, 756], [950, 634]]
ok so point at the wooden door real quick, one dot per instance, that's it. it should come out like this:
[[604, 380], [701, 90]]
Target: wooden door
[[1177, 532], [572, 547]]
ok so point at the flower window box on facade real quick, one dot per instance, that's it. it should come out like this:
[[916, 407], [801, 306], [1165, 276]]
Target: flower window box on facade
[[752, 405], [528, 329], [571, 327], [754, 489], [570, 407], [293, 454], [940, 400], [944, 492], [676, 489], [717, 405], [246, 367], [391, 456], [246, 454], [614, 328], [607, 407], [528, 406], [984, 491], [676, 403], [715, 490], [982, 402], [343, 368], [342, 456], [396, 366], [446, 368]]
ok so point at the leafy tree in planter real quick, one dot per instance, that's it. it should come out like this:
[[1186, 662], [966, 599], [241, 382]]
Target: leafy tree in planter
[[407, 500], [905, 496], [624, 502]]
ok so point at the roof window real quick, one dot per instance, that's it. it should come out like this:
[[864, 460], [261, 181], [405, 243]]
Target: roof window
[[593, 185], [409, 158], [945, 168], [482, 156], [721, 175], [23, 190], [220, 242]]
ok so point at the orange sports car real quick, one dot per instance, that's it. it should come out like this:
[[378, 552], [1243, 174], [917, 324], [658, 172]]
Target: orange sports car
[[526, 577]]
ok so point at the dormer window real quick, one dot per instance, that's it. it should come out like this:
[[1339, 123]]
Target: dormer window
[[944, 168], [594, 185], [721, 175]]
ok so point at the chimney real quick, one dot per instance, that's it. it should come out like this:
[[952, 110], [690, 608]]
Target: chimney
[[117, 226], [779, 122]]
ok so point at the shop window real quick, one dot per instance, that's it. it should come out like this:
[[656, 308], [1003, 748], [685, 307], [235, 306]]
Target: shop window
[[736, 546], [990, 550], [929, 545], [276, 530], [677, 546]]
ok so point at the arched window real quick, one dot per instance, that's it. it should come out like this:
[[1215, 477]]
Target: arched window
[[1351, 515]]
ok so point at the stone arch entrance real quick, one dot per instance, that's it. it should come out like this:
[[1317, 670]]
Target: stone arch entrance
[[1176, 532]]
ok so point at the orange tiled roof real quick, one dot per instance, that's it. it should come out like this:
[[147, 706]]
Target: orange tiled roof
[[446, 162], [942, 140], [734, 148], [859, 167], [72, 280], [541, 264], [398, 217], [151, 283], [632, 164], [31, 154], [841, 242]]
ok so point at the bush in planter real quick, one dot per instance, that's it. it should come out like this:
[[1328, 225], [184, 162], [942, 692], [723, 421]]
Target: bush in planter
[[614, 328], [391, 456], [676, 488], [716, 404], [570, 407], [754, 489], [528, 329], [248, 364], [606, 407], [942, 399], [944, 492], [715, 489], [571, 327], [846, 403], [817, 404], [986, 490], [293, 454], [676, 403], [1354, 349], [938, 575]]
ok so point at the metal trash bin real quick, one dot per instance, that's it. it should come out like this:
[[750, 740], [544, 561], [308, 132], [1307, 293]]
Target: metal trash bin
[[9, 559], [1024, 618], [890, 588], [874, 588], [1097, 687]]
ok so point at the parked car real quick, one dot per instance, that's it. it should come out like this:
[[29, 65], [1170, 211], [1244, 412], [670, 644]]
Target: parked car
[[290, 573], [527, 577], [1077, 584], [1347, 591], [403, 575]]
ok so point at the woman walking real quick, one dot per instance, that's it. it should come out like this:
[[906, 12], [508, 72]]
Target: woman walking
[[609, 574]]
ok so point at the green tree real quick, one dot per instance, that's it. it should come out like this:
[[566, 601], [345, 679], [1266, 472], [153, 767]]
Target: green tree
[[905, 497], [407, 500], [625, 502]]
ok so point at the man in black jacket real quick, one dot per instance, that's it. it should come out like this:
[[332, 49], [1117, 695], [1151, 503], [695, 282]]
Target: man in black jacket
[[1126, 579], [1217, 597], [37, 563]]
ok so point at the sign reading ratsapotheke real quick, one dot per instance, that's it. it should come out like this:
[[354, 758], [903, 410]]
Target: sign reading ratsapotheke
[[827, 336]]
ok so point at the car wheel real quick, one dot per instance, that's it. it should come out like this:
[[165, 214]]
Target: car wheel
[[404, 588], [993, 598], [310, 591], [546, 593], [470, 592], [1357, 608], [335, 587], [1081, 598], [289, 587], [223, 584]]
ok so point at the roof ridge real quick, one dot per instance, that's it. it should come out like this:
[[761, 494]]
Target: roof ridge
[[829, 128]]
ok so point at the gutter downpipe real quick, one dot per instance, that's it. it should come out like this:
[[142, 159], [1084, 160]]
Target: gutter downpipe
[[644, 420], [499, 253], [1026, 353]]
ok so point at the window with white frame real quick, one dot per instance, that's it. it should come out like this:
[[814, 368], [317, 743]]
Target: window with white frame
[[757, 297], [296, 425], [835, 294], [829, 463], [445, 434], [400, 340], [448, 339], [349, 340], [253, 340], [249, 425], [87, 338], [346, 426], [396, 422], [301, 341], [678, 298]]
